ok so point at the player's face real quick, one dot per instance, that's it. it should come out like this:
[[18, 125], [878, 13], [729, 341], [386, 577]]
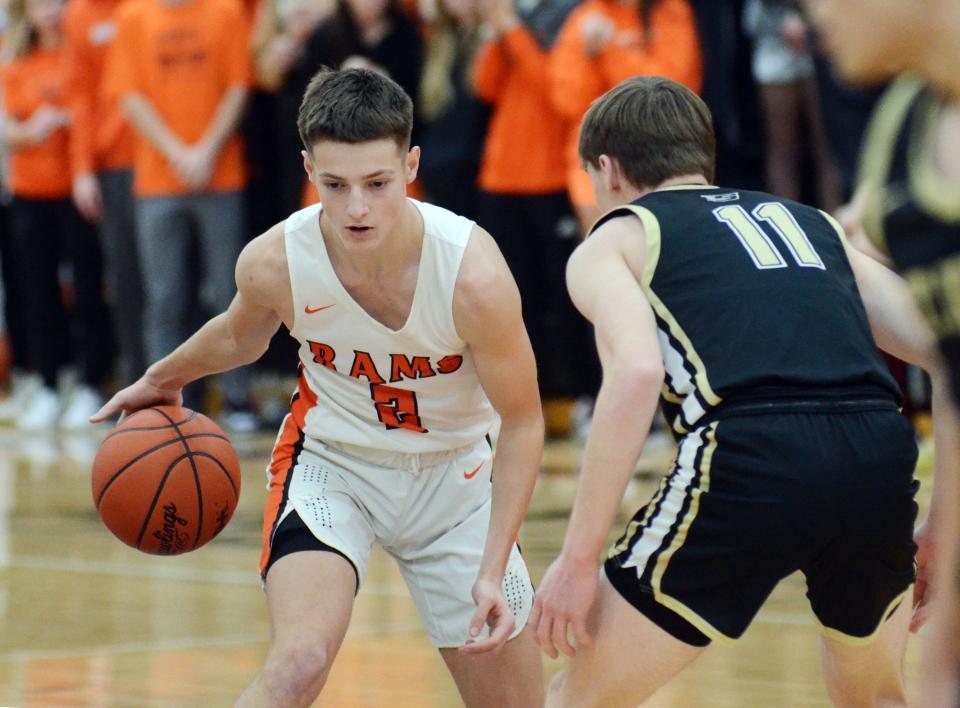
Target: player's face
[[362, 186], [870, 39]]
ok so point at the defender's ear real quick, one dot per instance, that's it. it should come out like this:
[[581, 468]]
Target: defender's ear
[[612, 174]]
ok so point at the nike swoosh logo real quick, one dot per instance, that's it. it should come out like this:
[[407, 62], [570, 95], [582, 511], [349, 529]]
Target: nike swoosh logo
[[310, 310], [473, 473]]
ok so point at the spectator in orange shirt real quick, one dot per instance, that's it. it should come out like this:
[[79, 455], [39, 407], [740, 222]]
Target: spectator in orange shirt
[[44, 223], [101, 162], [604, 42], [181, 71], [522, 179]]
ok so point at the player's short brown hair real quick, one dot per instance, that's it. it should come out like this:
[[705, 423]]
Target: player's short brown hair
[[654, 127], [354, 106]]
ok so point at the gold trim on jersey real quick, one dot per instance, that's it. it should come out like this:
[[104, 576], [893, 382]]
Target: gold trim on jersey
[[663, 561], [652, 248], [836, 226], [849, 639], [935, 194], [690, 407], [879, 146]]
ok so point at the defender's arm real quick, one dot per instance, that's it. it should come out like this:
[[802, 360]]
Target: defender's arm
[[602, 277]]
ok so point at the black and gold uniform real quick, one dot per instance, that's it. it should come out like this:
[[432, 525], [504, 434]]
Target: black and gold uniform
[[792, 452], [911, 213]]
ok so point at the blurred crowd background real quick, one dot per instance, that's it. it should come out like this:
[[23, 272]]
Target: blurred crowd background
[[146, 141]]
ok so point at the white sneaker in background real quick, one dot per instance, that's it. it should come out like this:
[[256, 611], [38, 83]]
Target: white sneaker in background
[[83, 403], [239, 421], [41, 411], [22, 388]]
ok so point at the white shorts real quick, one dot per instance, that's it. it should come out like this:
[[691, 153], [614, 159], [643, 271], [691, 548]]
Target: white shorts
[[429, 511]]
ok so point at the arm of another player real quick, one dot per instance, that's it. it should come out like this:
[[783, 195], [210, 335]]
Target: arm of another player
[[602, 279], [236, 337], [486, 311], [896, 322]]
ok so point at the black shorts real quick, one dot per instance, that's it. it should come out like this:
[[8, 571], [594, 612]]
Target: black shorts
[[751, 499], [293, 536]]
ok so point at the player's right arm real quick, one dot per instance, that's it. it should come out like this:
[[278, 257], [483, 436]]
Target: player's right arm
[[896, 322], [602, 277], [234, 338]]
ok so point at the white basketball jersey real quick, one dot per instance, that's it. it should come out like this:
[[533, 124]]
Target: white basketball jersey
[[412, 390]]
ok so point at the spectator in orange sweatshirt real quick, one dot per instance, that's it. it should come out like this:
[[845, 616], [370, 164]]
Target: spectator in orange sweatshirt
[[604, 42], [181, 69], [45, 225], [101, 162], [523, 200]]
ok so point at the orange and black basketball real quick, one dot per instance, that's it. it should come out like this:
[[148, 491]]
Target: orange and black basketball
[[166, 480]]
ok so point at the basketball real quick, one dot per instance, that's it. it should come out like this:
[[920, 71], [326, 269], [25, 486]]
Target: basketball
[[166, 480]]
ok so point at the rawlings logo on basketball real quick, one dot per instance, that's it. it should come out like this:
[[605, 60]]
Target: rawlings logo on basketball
[[223, 516], [170, 540]]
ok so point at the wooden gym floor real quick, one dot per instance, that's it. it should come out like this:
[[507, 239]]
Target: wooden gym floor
[[86, 621]]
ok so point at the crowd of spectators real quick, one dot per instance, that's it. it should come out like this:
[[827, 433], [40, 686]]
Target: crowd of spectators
[[145, 141]]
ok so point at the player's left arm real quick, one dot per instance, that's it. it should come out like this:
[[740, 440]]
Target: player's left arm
[[602, 277], [487, 315]]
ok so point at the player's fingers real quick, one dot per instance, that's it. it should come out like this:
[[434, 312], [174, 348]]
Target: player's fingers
[[502, 625], [580, 633], [559, 637], [479, 618], [534, 619], [543, 636], [109, 409], [498, 637]]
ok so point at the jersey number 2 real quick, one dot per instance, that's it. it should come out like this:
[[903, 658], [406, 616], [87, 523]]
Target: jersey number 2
[[758, 244], [396, 407]]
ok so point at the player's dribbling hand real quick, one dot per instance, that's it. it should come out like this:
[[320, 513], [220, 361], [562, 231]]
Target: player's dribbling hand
[[563, 602], [923, 587], [493, 611], [138, 395]]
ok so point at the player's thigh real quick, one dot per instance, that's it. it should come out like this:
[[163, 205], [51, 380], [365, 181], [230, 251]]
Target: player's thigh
[[439, 548], [511, 677], [868, 672], [309, 599], [628, 659]]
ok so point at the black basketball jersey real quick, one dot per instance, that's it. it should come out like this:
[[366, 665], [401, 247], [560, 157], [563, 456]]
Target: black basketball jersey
[[911, 213], [754, 301]]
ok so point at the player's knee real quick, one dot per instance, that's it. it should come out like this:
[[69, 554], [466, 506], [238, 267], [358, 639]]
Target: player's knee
[[866, 689], [297, 672]]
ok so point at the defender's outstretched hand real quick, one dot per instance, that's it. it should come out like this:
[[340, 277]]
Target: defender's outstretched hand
[[492, 610], [563, 601], [140, 394]]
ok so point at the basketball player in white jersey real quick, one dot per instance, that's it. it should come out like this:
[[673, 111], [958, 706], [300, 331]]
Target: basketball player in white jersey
[[411, 342]]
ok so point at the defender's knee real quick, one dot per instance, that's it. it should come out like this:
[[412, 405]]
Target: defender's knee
[[863, 689], [296, 673]]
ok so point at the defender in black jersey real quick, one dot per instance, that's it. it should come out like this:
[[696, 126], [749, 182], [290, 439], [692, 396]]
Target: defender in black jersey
[[756, 327]]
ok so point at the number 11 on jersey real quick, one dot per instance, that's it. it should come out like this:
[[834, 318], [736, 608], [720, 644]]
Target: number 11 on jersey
[[759, 245]]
